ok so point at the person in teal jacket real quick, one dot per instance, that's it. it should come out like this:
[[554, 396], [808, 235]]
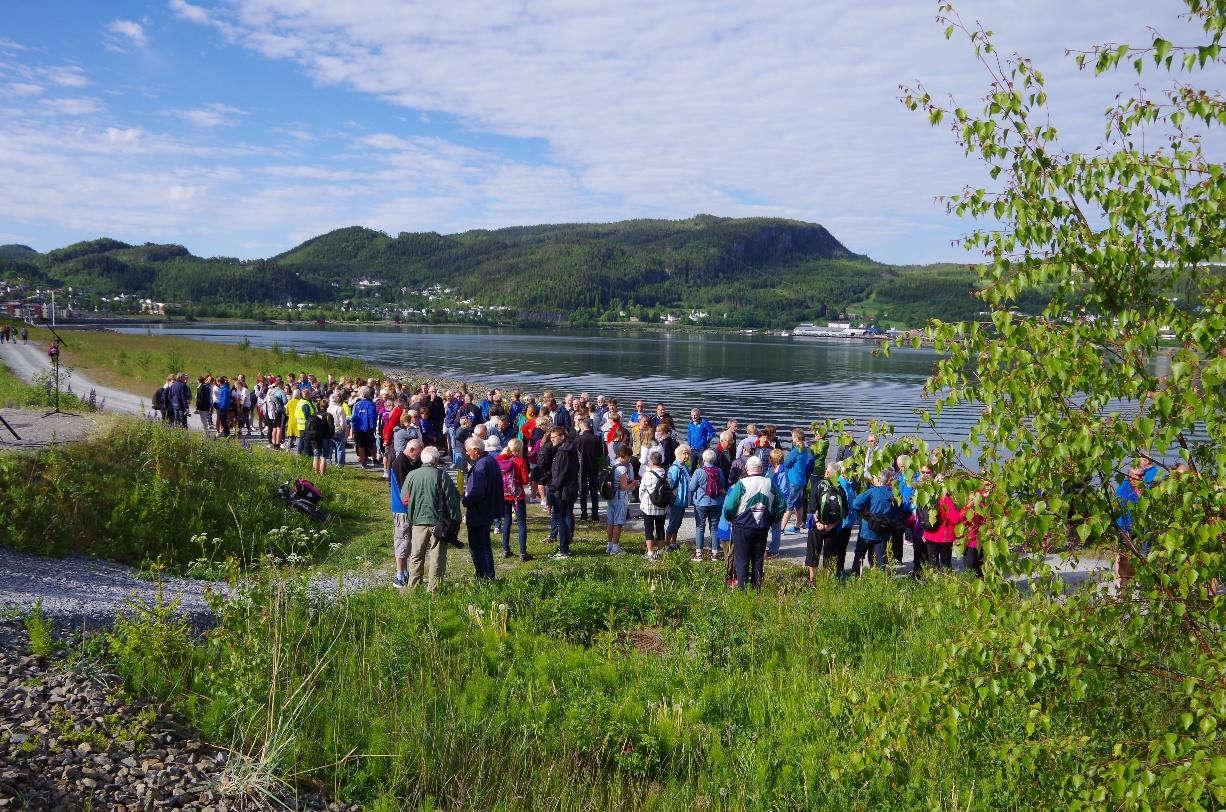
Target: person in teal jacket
[[751, 505]]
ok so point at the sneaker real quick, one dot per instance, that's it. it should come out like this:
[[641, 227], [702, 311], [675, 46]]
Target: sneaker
[[525, 557], [651, 556], [506, 553], [400, 580], [672, 548], [615, 549], [717, 556], [385, 474], [698, 556], [544, 503], [559, 557], [791, 529]]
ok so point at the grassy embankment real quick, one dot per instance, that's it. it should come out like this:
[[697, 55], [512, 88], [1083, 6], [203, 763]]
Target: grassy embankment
[[140, 363]]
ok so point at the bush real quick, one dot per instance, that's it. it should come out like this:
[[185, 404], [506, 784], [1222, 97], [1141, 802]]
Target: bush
[[139, 492]]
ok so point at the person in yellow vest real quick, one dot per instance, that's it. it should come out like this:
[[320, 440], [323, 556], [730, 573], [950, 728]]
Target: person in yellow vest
[[291, 421], [302, 417]]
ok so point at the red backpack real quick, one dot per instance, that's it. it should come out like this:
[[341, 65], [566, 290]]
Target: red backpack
[[512, 488], [712, 487]]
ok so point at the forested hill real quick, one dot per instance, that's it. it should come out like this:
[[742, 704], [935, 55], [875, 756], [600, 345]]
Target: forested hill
[[741, 272]]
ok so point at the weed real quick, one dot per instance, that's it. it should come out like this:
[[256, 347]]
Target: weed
[[39, 629]]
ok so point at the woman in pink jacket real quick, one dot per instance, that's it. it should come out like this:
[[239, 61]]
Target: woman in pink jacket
[[940, 539]]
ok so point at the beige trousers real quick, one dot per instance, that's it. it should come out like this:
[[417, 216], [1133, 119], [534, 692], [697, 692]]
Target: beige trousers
[[429, 555]]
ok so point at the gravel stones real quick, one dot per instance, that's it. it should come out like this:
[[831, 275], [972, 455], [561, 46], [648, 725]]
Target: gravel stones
[[70, 738]]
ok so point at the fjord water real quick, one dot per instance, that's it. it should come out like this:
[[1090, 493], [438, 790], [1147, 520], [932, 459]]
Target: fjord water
[[772, 379]]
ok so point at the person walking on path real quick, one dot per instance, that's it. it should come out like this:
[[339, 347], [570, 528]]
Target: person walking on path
[[562, 489], [483, 500], [402, 531], [429, 494], [751, 506], [180, 400], [707, 489]]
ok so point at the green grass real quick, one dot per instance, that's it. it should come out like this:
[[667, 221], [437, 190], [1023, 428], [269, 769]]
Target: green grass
[[16, 393], [140, 363], [143, 493]]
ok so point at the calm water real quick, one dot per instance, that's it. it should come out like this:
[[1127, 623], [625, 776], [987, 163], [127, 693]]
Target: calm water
[[786, 381]]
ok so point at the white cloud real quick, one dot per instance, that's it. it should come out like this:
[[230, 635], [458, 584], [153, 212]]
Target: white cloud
[[21, 89], [122, 34], [210, 115], [65, 76], [71, 107], [189, 12]]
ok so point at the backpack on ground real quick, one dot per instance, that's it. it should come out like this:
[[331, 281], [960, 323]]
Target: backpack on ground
[[712, 489], [830, 503], [608, 484], [661, 494]]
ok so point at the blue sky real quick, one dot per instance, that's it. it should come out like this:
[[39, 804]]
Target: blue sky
[[241, 127]]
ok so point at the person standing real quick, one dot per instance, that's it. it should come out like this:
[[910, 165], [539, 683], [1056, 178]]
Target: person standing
[[180, 399], [699, 433], [799, 464], [751, 506], [679, 481], [590, 448], [204, 402], [402, 531], [321, 433], [275, 402], [827, 545], [618, 507], [514, 471], [877, 511], [707, 489], [364, 420], [563, 489], [429, 494], [654, 478], [340, 421], [483, 502]]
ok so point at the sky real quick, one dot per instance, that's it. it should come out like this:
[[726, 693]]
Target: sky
[[242, 127]]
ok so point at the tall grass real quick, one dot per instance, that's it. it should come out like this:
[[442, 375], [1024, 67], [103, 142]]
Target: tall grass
[[626, 685], [144, 493]]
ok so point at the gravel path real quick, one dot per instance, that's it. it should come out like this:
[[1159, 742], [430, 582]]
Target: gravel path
[[36, 431], [28, 360]]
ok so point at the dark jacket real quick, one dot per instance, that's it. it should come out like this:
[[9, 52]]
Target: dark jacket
[[564, 473], [483, 492], [590, 448], [180, 396], [437, 412], [204, 397], [670, 449]]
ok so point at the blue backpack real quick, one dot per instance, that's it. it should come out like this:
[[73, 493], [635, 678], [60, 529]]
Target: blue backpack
[[364, 416]]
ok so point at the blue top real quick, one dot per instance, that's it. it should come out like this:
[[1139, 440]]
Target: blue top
[[699, 435], [698, 486], [483, 491], [799, 465], [853, 515], [223, 397], [679, 479], [877, 499]]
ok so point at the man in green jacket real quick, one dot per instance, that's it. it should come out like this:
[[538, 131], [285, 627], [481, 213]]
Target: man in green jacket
[[751, 506], [428, 493]]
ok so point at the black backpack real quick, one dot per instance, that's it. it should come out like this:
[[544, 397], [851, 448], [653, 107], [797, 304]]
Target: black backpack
[[830, 503], [159, 399], [661, 494], [608, 486]]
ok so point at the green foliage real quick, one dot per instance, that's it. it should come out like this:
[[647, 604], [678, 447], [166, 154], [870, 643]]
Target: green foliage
[[39, 629], [744, 272], [1124, 694], [137, 492]]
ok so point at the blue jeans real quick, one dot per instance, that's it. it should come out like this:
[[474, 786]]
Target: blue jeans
[[706, 517], [338, 450], [520, 511], [673, 523], [304, 447], [776, 537]]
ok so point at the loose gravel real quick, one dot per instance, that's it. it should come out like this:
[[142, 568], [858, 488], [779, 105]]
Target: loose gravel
[[71, 738]]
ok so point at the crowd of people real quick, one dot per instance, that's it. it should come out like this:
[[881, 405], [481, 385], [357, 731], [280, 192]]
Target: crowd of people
[[9, 333], [743, 491]]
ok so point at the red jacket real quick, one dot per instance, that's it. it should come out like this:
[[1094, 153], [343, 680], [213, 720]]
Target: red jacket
[[515, 466], [389, 425], [948, 518]]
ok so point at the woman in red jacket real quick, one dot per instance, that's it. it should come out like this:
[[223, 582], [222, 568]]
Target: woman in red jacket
[[940, 538], [515, 485]]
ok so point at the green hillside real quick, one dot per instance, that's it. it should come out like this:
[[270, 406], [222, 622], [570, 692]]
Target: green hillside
[[14, 251], [755, 272]]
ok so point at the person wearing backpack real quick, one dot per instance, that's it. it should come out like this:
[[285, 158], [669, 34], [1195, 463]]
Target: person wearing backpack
[[655, 497], [826, 543], [160, 398], [679, 481], [751, 506], [484, 502], [222, 402], [204, 402], [707, 489], [363, 422], [618, 482], [514, 471], [877, 514], [275, 401], [321, 434]]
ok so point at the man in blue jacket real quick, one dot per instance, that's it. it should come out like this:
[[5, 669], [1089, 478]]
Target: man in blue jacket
[[484, 503], [699, 433]]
